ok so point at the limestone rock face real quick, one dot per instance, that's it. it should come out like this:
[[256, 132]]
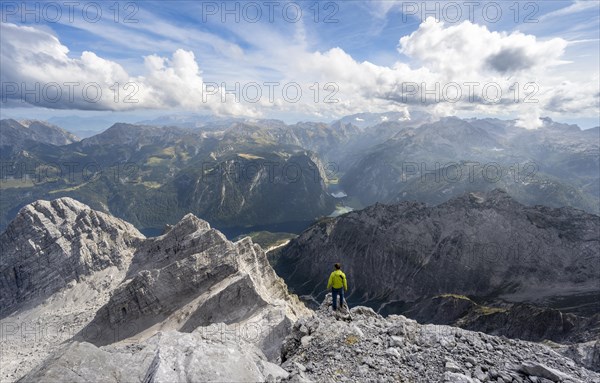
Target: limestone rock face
[[51, 244], [587, 354], [15, 135], [83, 279], [169, 356], [193, 276]]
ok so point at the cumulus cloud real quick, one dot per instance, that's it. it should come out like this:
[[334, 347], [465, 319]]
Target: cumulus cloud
[[451, 68], [37, 70], [459, 67], [472, 49]]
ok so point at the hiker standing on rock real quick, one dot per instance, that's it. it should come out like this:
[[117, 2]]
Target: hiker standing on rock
[[338, 284]]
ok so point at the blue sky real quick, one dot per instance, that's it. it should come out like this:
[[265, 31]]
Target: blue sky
[[353, 44]]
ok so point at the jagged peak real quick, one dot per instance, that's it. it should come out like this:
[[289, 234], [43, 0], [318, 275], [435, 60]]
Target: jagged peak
[[65, 211], [54, 210], [52, 243], [498, 194], [63, 201], [245, 241], [189, 224]]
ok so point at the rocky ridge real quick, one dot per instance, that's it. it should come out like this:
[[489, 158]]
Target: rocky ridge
[[72, 274], [172, 356], [514, 320], [192, 276]]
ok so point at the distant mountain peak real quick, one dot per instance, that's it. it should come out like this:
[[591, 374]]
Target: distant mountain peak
[[20, 134]]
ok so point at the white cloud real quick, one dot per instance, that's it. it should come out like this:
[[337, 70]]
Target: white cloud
[[439, 54], [471, 49], [530, 119], [38, 70], [518, 68]]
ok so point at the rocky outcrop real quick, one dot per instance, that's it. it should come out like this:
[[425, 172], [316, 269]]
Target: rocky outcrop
[[193, 276], [586, 354], [52, 244], [372, 348], [246, 187], [481, 245]]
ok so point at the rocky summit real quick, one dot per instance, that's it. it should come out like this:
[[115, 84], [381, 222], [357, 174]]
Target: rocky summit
[[172, 356], [370, 348]]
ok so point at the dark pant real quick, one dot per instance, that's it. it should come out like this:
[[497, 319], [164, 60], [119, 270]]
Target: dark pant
[[334, 295]]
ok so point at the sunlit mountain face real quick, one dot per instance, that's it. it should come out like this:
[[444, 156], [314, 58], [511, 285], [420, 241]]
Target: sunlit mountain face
[[169, 167]]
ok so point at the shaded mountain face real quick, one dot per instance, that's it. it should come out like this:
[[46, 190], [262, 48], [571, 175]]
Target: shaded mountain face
[[248, 189], [96, 279], [556, 165], [488, 247]]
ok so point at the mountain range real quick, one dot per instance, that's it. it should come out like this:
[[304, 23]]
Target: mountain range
[[555, 165], [284, 176], [86, 297], [135, 238]]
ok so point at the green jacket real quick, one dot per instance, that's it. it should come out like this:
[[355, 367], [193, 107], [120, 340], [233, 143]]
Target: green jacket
[[337, 279]]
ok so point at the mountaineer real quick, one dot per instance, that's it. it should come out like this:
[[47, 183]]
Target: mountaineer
[[338, 284]]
